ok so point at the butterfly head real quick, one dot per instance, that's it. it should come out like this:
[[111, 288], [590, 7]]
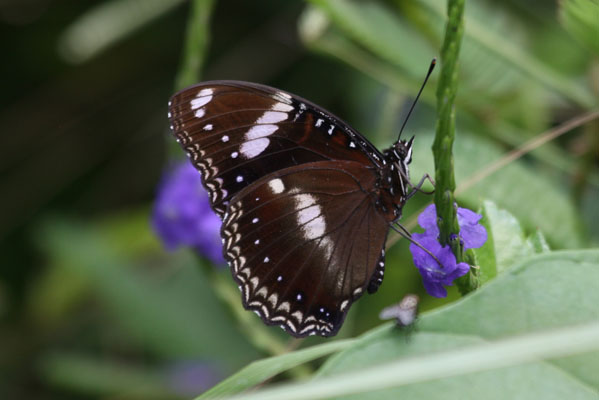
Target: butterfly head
[[400, 156], [395, 178], [403, 151]]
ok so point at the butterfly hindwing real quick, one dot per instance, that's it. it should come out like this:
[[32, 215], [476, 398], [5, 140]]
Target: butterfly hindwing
[[304, 242]]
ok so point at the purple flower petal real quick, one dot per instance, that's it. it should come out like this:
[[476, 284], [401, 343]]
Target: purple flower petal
[[428, 218], [435, 289], [472, 233], [182, 215], [188, 378], [466, 216], [434, 276]]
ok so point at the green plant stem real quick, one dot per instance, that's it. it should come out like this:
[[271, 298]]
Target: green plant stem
[[196, 43], [197, 37], [444, 138]]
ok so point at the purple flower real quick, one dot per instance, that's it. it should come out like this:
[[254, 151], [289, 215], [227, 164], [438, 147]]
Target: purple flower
[[182, 215], [433, 275], [473, 234], [188, 378]]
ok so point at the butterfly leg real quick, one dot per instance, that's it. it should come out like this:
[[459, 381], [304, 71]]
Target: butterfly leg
[[417, 188]]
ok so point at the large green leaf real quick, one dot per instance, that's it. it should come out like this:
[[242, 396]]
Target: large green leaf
[[261, 370], [546, 292], [493, 344]]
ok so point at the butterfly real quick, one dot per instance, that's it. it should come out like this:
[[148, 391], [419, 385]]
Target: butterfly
[[306, 201]]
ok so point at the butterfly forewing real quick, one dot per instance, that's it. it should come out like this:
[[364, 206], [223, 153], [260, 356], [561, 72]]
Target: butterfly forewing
[[236, 132], [304, 243]]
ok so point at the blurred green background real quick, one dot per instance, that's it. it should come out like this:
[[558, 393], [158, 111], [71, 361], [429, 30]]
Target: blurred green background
[[91, 306]]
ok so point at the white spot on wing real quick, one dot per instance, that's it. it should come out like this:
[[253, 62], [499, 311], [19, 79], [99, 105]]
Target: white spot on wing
[[255, 141], [309, 216], [208, 127], [225, 138], [276, 186], [285, 95], [281, 107], [311, 221], [298, 315], [200, 113], [344, 305], [273, 299], [272, 117], [203, 97], [255, 147]]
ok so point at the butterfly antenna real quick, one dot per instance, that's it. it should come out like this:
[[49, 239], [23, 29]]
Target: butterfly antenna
[[430, 71], [404, 233]]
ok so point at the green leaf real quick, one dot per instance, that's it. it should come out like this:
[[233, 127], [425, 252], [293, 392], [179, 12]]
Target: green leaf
[[491, 343], [580, 18], [261, 370], [538, 242], [494, 59], [509, 242], [512, 187], [168, 316], [196, 43], [506, 242], [486, 254], [484, 361], [483, 71], [498, 44], [549, 291], [108, 23], [378, 30], [95, 377], [332, 43], [546, 291]]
